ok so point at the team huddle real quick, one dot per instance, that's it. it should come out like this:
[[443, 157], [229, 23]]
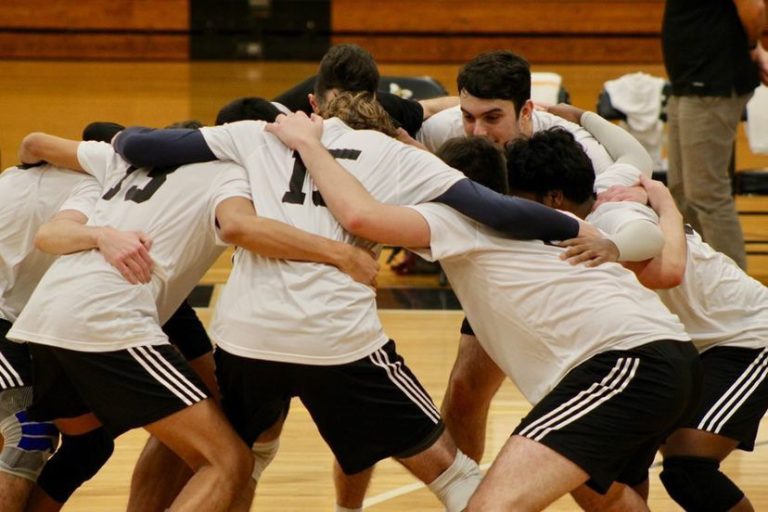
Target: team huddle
[[580, 282]]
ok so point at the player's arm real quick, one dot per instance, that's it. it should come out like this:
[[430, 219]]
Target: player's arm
[[668, 268], [752, 17], [362, 215], [40, 147], [240, 225], [147, 147], [432, 106], [127, 251]]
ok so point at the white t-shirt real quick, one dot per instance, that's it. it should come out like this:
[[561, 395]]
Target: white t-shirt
[[536, 315], [83, 303], [447, 124], [305, 312], [719, 304], [28, 199]]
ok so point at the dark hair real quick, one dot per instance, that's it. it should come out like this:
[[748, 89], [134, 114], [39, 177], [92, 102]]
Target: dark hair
[[189, 124], [498, 74], [101, 131], [347, 67], [249, 108], [550, 160], [479, 159], [359, 111]]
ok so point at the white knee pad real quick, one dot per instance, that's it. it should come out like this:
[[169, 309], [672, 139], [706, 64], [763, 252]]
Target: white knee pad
[[27, 444], [456, 484], [263, 453]]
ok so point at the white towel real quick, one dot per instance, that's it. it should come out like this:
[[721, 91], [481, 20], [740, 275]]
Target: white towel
[[757, 121], [638, 96], [545, 87]]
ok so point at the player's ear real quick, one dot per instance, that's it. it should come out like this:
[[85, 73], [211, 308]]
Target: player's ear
[[313, 103]]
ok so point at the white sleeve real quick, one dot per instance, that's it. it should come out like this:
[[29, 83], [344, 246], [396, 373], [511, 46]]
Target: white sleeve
[[633, 227], [421, 177], [617, 174], [83, 197], [440, 127], [450, 233], [619, 143], [234, 141], [231, 182], [95, 158]]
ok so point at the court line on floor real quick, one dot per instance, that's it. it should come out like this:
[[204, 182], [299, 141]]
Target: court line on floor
[[407, 489]]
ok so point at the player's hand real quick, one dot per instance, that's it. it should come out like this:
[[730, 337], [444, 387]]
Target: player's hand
[[564, 110], [405, 137], [616, 193], [128, 252], [760, 56], [587, 230], [659, 196], [590, 251], [297, 129], [361, 265]]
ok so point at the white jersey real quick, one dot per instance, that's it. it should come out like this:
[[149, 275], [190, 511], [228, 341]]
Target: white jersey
[[84, 304], [447, 124], [538, 316], [719, 304], [306, 312], [28, 199]]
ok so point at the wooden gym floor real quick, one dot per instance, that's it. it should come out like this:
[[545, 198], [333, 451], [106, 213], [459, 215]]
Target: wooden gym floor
[[62, 97]]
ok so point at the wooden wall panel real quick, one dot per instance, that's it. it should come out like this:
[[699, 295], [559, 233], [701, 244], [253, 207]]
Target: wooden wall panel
[[111, 46], [499, 16], [538, 50], [74, 15]]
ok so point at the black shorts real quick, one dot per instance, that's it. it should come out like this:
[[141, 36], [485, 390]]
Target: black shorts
[[125, 389], [186, 332], [15, 363], [366, 411], [734, 397], [610, 414]]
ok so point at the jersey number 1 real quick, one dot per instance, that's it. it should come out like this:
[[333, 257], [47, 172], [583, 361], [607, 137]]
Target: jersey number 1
[[294, 194]]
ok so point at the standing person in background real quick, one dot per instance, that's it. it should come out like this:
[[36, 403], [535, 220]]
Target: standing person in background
[[714, 60]]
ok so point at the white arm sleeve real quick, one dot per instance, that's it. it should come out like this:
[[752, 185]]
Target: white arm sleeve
[[638, 240], [622, 146]]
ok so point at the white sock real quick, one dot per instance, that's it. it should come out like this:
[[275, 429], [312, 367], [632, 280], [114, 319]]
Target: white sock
[[456, 484]]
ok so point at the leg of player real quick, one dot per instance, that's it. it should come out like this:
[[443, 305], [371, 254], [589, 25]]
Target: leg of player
[[619, 498], [474, 381], [222, 463], [449, 474], [526, 476], [26, 447], [350, 489], [160, 474], [85, 447], [692, 474]]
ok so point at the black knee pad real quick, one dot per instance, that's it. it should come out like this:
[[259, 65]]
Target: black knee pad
[[75, 462], [697, 484]]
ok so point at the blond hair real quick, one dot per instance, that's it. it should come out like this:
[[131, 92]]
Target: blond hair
[[359, 110]]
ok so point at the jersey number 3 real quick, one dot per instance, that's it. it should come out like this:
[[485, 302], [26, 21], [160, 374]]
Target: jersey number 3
[[158, 176], [294, 194]]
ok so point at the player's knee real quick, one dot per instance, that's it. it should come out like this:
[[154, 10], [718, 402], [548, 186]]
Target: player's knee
[[697, 484], [454, 486], [27, 445], [76, 461], [263, 455]]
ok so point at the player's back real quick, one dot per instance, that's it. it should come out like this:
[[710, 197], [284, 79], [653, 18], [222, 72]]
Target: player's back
[[28, 199], [84, 303], [305, 312], [535, 314]]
